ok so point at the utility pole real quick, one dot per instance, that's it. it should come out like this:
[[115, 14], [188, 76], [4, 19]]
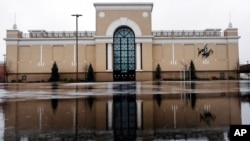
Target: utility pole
[[76, 15], [76, 104]]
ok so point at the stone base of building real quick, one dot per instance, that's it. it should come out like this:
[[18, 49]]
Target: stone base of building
[[202, 75], [108, 76]]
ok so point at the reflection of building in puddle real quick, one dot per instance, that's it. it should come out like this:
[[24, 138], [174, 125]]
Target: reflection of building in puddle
[[2, 122], [207, 116], [125, 114]]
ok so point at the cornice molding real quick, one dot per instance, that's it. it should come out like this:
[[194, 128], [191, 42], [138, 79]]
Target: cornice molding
[[109, 39], [189, 40], [124, 6]]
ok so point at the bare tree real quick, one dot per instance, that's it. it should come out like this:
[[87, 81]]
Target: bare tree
[[185, 67], [8, 69], [237, 69], [184, 64]]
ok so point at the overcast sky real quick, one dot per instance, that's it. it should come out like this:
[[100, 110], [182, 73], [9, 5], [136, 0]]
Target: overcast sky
[[55, 15]]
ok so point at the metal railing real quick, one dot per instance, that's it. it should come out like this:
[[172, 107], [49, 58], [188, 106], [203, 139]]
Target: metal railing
[[188, 33], [57, 34], [162, 33]]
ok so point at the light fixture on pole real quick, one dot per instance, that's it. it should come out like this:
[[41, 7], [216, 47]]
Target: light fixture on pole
[[76, 15]]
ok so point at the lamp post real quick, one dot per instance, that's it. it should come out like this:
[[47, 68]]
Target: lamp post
[[76, 106], [76, 15]]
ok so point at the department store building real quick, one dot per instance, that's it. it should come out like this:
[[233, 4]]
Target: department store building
[[123, 48]]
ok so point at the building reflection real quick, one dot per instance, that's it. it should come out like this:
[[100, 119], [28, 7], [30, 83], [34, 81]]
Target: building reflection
[[130, 113], [2, 124], [124, 113]]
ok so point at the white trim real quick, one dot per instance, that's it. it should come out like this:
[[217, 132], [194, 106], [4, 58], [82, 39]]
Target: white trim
[[45, 41], [110, 57], [145, 14], [173, 62], [138, 56], [103, 39], [11, 42], [123, 21], [205, 62], [109, 39], [74, 56], [144, 39], [41, 64], [123, 6], [101, 14], [193, 40], [138, 88]]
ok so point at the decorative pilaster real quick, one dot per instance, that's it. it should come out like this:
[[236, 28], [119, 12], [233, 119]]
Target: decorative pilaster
[[138, 56], [110, 57]]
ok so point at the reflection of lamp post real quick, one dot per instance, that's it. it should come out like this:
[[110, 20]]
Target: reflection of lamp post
[[4, 68], [174, 108], [77, 15]]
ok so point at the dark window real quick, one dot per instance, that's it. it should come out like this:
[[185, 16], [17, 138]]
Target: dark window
[[222, 75]]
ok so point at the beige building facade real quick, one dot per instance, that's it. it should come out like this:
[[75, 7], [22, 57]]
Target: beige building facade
[[122, 48]]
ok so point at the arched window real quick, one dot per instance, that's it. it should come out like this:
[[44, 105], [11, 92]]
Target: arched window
[[124, 54]]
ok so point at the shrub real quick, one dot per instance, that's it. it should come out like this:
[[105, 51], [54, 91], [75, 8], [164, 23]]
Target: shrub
[[193, 70], [231, 78], [214, 78], [158, 72], [54, 73], [90, 74]]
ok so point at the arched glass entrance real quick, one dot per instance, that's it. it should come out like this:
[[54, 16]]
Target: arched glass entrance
[[124, 54]]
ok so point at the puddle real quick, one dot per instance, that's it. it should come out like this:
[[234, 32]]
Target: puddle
[[168, 110]]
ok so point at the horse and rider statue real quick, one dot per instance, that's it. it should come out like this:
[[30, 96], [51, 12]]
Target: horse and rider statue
[[205, 53]]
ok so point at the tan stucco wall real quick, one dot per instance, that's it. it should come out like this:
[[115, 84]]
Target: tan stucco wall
[[174, 54], [135, 15], [27, 59], [100, 55]]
